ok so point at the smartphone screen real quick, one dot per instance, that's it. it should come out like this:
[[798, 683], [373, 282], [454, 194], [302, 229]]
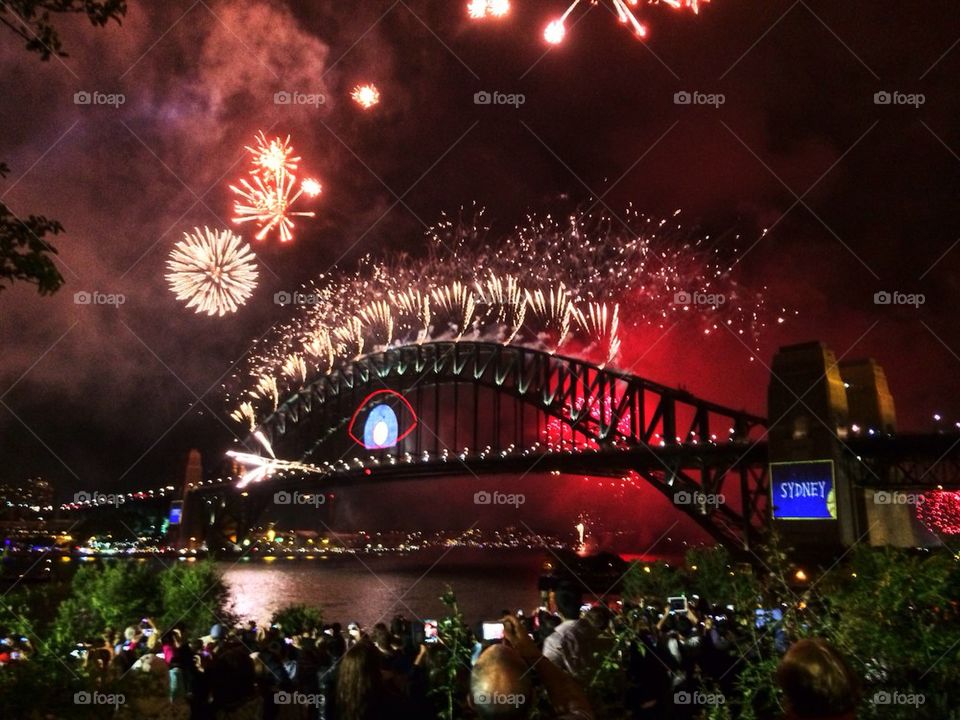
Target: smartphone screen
[[493, 631], [430, 631]]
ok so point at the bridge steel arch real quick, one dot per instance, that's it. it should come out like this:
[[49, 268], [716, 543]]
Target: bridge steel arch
[[491, 408]]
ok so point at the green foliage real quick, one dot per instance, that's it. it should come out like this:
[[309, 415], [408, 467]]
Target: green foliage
[[113, 595], [609, 681], [194, 596], [650, 583], [708, 574], [298, 619], [30, 19], [895, 614], [452, 679], [33, 689], [24, 253]]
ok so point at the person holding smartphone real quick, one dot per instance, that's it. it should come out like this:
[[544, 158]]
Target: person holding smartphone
[[502, 681]]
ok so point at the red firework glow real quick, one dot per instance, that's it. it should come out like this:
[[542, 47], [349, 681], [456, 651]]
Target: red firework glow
[[940, 512], [268, 196], [556, 29]]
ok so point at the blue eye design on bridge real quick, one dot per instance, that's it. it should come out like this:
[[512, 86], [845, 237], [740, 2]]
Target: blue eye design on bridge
[[380, 429], [376, 424]]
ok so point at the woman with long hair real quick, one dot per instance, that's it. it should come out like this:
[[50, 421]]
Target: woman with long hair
[[362, 691]]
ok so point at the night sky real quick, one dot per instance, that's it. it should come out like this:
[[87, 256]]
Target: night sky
[[859, 197]]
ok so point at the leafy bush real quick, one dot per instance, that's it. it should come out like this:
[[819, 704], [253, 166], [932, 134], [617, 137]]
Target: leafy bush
[[194, 597], [112, 595], [895, 614], [298, 619], [450, 682], [650, 583]]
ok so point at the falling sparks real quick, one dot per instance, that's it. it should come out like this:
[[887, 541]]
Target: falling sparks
[[459, 302], [213, 270], [366, 96], [604, 324], [556, 30], [415, 305], [554, 309], [267, 388], [245, 414], [379, 315], [296, 368], [573, 285], [267, 197]]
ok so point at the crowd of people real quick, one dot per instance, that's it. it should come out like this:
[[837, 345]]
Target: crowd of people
[[664, 661]]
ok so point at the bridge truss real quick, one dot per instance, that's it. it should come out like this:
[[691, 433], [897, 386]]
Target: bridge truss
[[487, 408]]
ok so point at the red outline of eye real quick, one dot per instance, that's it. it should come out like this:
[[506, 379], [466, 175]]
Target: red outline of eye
[[361, 406]]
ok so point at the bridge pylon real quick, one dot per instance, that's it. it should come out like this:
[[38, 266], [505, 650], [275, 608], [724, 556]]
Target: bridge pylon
[[817, 405], [191, 521]]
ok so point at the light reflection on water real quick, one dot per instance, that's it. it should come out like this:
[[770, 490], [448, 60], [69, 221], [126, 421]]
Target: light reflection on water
[[370, 588]]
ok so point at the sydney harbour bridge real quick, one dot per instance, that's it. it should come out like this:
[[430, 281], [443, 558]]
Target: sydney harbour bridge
[[824, 467]]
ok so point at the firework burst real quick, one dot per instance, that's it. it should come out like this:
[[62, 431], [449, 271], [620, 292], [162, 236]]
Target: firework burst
[[214, 271], [366, 96], [480, 9], [272, 156], [574, 285], [268, 196]]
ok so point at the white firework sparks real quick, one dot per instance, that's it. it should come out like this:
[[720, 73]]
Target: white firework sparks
[[576, 285], [366, 96], [213, 270]]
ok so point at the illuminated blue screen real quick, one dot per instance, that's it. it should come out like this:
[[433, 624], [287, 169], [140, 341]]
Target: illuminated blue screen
[[175, 512], [380, 430], [803, 491]]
